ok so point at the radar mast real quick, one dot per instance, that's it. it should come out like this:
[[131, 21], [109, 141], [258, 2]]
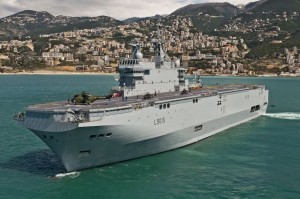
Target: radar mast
[[158, 45]]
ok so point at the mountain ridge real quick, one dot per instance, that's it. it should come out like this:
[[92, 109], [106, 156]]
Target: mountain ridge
[[225, 9], [30, 22], [206, 17]]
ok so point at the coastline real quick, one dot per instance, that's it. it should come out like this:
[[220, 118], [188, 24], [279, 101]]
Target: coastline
[[50, 72], [59, 72]]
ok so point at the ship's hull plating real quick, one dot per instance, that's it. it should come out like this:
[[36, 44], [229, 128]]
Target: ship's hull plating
[[78, 151], [149, 130]]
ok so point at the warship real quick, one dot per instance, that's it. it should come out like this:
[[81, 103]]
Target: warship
[[154, 109]]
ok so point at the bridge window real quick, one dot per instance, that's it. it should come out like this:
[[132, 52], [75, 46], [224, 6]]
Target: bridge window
[[108, 134], [93, 137]]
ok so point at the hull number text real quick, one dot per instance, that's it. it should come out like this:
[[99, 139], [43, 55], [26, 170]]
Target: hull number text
[[159, 121]]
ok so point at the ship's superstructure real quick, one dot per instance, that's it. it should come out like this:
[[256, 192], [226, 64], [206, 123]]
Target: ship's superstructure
[[154, 109], [138, 77]]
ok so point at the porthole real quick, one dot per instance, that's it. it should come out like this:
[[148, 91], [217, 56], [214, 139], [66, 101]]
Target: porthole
[[92, 137], [160, 106], [108, 134], [198, 128], [165, 106], [168, 105]]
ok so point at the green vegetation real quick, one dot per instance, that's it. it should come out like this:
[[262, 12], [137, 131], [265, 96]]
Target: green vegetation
[[264, 50], [39, 47], [214, 9], [200, 64], [267, 50], [25, 62], [290, 25], [207, 24], [278, 6], [270, 8], [45, 23]]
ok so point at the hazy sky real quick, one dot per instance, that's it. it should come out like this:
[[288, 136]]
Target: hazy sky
[[119, 9]]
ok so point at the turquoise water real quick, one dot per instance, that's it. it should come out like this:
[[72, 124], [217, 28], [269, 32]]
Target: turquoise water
[[258, 159]]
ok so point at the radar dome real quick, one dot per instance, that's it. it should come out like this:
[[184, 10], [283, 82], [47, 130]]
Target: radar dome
[[177, 63], [139, 55]]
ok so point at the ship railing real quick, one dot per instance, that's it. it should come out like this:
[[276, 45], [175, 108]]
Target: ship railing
[[98, 114], [129, 87], [129, 62], [139, 106], [119, 88], [57, 115], [258, 86], [253, 87], [233, 91], [214, 92], [116, 111]]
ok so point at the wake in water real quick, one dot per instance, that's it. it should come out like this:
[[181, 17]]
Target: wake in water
[[73, 174], [285, 116]]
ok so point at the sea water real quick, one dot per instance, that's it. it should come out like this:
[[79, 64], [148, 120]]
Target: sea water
[[257, 159]]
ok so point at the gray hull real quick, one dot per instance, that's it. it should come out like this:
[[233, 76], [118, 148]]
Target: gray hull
[[78, 150], [140, 131]]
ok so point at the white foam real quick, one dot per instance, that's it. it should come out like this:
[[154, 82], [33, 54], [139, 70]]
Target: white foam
[[285, 116], [73, 174]]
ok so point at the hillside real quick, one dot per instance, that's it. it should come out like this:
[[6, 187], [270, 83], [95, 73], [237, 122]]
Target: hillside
[[258, 36], [131, 20], [268, 8], [140, 19], [32, 23], [32, 15], [214, 9], [278, 6], [261, 24], [208, 16], [253, 5]]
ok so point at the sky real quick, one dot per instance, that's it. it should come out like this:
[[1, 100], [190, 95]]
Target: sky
[[119, 9]]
